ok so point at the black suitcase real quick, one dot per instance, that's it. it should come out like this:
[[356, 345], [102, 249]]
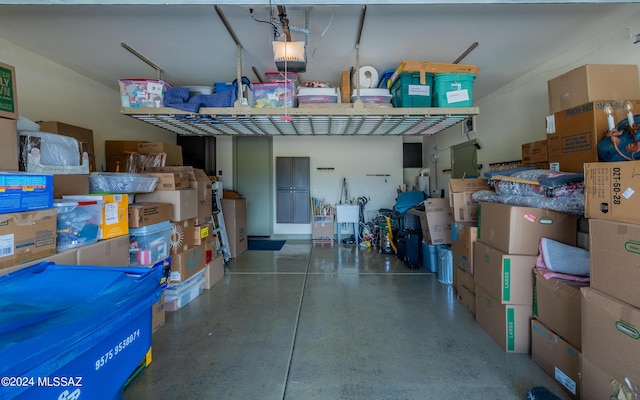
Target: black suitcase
[[409, 244]]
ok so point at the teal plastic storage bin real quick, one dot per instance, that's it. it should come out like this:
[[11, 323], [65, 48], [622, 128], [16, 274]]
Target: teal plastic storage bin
[[430, 257], [407, 91], [453, 90], [76, 329], [445, 264]]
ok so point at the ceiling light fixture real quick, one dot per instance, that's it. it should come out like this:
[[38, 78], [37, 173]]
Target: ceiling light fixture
[[288, 55]]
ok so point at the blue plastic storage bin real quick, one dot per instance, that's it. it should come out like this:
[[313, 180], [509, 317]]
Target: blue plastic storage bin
[[445, 264], [74, 331], [430, 257]]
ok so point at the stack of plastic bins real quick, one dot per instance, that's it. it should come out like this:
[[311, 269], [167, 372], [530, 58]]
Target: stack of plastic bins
[[74, 332]]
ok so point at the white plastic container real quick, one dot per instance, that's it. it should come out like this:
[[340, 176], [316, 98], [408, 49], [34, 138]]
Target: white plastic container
[[376, 96], [77, 222], [317, 95], [176, 297], [149, 244]]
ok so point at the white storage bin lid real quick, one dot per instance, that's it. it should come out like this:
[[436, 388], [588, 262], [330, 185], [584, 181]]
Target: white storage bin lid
[[317, 92], [372, 92]]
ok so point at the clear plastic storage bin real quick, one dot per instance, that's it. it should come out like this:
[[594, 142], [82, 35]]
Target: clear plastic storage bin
[[121, 182], [176, 297], [274, 95], [77, 223], [317, 95], [372, 96], [137, 93], [149, 244]]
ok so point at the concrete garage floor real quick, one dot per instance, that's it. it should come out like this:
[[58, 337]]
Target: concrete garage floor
[[329, 322]]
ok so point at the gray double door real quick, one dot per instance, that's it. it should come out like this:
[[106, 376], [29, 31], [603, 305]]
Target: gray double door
[[293, 201]]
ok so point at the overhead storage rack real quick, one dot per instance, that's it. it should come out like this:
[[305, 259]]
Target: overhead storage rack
[[358, 120]]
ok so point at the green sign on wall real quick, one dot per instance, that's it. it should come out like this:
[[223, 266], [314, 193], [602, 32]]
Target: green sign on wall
[[7, 90]]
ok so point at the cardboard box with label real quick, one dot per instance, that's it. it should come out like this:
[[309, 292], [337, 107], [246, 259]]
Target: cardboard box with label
[[117, 153], [27, 236], [173, 151], [556, 303], [436, 221], [534, 152], [184, 202], [592, 82], [322, 228], [199, 181], [112, 252], [462, 205], [115, 213], [9, 148], [610, 332], [211, 249], [203, 233], [614, 259], [509, 325], [149, 213], [186, 264], [578, 131], [556, 357], [517, 230], [8, 93], [214, 271], [82, 135], [506, 277], [171, 180], [612, 191], [464, 235], [234, 212]]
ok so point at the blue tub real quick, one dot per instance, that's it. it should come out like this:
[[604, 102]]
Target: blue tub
[[74, 331], [430, 257]]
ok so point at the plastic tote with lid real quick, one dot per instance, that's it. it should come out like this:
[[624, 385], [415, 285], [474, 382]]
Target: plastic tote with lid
[[74, 332], [149, 244]]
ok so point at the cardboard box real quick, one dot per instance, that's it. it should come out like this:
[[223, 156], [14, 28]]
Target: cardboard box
[[597, 383], [186, 264], [506, 277], [199, 181], [66, 257], [8, 92], [508, 324], [82, 135], [112, 252], [183, 235], [466, 286], [184, 202], [117, 153], [534, 152], [115, 213], [593, 82], [158, 315], [462, 205], [173, 151], [614, 259], [463, 236], [556, 357], [202, 233], [468, 298], [234, 212], [322, 228], [9, 148], [27, 236], [517, 230], [70, 185], [556, 303], [610, 332], [21, 191], [214, 271], [612, 191], [578, 131], [144, 214], [435, 221], [171, 180], [211, 249]]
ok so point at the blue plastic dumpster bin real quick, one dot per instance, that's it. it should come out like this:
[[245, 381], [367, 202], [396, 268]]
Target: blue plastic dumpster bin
[[74, 332]]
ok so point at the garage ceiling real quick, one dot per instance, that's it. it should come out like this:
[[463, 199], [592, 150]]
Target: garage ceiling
[[191, 45]]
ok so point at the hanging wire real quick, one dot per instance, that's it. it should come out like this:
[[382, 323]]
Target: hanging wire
[[313, 52]]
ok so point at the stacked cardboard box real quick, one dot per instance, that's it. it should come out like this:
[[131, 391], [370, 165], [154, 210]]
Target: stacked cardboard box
[[504, 258], [234, 212], [611, 306]]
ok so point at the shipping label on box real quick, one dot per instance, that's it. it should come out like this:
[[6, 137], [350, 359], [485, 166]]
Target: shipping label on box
[[507, 324], [556, 357], [612, 191], [8, 93], [610, 333], [507, 277], [27, 236], [144, 214], [202, 233]]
